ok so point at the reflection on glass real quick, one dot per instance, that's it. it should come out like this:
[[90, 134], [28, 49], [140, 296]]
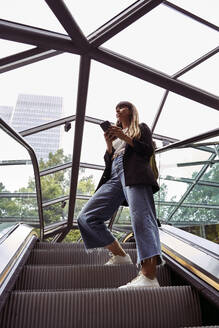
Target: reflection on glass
[[18, 201]]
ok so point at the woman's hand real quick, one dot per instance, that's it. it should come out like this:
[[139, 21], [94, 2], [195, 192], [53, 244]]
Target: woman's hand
[[116, 132]]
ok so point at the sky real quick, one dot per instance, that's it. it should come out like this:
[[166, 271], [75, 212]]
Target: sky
[[163, 39]]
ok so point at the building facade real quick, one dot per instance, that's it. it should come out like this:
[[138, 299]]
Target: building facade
[[34, 110]]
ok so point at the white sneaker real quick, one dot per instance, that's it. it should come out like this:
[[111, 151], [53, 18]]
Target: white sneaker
[[141, 281], [117, 259]]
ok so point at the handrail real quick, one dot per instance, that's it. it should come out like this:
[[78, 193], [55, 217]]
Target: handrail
[[10, 131]]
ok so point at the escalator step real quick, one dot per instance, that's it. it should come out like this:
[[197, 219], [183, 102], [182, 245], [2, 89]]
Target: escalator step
[[43, 245], [72, 256], [82, 276], [168, 307]]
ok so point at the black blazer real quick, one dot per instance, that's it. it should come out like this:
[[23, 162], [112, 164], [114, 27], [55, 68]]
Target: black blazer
[[137, 170]]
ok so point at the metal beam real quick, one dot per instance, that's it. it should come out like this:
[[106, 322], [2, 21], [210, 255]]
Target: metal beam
[[122, 20], [153, 76], [61, 167], [64, 16], [42, 38], [79, 127], [178, 74], [188, 141], [25, 58], [187, 180], [189, 14]]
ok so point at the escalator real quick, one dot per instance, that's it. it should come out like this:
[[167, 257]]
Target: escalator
[[61, 285]]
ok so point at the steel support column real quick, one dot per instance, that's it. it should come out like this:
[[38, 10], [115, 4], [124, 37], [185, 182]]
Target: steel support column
[[79, 127]]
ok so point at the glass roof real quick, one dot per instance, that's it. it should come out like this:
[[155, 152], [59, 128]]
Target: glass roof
[[164, 39], [122, 51]]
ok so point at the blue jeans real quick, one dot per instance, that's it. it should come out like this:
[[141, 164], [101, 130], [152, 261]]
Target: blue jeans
[[103, 204]]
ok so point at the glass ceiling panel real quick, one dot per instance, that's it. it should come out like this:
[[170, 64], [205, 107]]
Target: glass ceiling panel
[[183, 118], [90, 15], [207, 10], [33, 13], [108, 86], [165, 40], [48, 86], [9, 48], [205, 75]]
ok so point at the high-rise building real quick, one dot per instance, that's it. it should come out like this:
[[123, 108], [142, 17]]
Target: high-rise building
[[33, 110], [6, 113]]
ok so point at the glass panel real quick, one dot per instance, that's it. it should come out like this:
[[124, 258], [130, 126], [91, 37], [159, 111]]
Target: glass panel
[[55, 185], [204, 76], [18, 201], [203, 195], [33, 13], [9, 48], [163, 212], [161, 39], [212, 173], [172, 163], [205, 9], [42, 91], [118, 86], [88, 181], [93, 145], [53, 146], [182, 118], [55, 213], [123, 217], [101, 10], [79, 204], [191, 215]]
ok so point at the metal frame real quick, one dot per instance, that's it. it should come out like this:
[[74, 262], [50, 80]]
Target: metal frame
[[51, 44]]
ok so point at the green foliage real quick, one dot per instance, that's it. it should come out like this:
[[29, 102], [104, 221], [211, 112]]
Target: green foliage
[[73, 236]]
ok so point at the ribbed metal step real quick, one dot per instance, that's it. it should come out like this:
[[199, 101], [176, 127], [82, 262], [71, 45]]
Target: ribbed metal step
[[72, 256], [168, 307], [81, 276], [43, 245]]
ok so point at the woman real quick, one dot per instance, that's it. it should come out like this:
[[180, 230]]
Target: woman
[[127, 178]]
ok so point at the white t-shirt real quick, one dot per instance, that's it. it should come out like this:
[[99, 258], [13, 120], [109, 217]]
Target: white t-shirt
[[119, 145]]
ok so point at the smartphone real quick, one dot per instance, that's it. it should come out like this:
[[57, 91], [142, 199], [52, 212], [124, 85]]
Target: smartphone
[[105, 125]]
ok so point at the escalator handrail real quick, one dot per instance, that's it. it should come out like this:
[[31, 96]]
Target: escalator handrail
[[10, 131]]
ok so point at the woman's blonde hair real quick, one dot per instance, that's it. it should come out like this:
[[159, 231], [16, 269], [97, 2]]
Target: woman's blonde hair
[[133, 130]]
